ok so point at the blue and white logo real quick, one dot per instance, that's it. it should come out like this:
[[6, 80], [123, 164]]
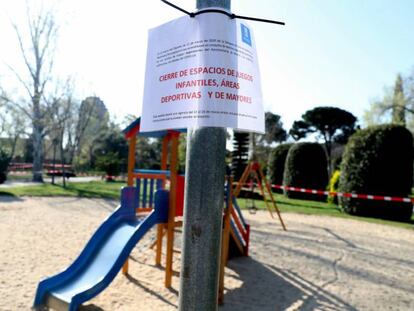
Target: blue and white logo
[[245, 34]]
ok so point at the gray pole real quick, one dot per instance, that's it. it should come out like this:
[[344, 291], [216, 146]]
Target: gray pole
[[203, 211]]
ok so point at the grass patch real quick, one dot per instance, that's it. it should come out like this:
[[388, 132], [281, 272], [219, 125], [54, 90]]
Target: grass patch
[[111, 190], [318, 208], [93, 189]]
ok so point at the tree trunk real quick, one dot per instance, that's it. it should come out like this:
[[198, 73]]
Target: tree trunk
[[54, 162], [71, 148], [37, 129], [90, 154], [328, 149], [13, 146], [37, 153], [62, 158]]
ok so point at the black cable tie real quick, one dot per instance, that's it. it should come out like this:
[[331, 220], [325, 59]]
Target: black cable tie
[[230, 15], [214, 11]]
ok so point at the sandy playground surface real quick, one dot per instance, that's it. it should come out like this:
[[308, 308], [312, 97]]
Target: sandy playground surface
[[321, 263]]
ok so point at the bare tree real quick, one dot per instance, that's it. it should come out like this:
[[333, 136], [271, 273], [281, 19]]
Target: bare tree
[[12, 127], [83, 115], [36, 45], [62, 113], [396, 106], [88, 126], [62, 108]]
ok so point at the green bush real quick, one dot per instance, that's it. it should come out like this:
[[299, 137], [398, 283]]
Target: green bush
[[378, 160], [333, 186], [306, 167], [4, 164], [109, 163], [276, 165]]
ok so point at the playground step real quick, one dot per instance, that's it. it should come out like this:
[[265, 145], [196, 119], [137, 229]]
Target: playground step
[[56, 303]]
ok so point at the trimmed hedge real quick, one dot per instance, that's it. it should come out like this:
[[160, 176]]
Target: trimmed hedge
[[276, 165], [378, 160], [306, 167]]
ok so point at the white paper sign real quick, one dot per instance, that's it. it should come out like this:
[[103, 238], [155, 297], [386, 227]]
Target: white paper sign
[[202, 72]]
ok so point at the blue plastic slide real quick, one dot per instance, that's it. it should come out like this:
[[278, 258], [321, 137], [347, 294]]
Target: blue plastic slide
[[103, 256], [241, 240]]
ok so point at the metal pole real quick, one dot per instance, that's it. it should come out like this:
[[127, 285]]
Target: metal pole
[[203, 211]]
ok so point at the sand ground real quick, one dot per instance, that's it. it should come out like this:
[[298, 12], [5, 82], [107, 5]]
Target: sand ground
[[321, 263]]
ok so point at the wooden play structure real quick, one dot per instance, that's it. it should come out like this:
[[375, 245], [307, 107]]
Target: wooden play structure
[[152, 199], [235, 229], [148, 181]]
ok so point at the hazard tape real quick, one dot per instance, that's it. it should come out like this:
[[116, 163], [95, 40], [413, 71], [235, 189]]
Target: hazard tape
[[347, 195]]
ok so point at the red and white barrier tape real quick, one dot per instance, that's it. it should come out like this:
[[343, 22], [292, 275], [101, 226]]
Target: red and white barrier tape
[[347, 195]]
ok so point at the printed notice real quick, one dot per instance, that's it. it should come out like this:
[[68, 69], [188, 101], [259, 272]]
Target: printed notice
[[202, 72]]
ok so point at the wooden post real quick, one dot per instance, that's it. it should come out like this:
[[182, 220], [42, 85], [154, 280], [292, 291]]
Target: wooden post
[[242, 179], [131, 160], [130, 181], [259, 183], [269, 190], [164, 155], [171, 210]]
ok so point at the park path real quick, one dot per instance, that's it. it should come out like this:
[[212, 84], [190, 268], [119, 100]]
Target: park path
[[320, 263]]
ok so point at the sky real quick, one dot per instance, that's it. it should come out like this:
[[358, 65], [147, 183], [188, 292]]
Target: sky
[[330, 53]]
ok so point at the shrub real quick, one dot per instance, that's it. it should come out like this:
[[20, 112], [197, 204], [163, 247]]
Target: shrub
[[333, 186], [110, 164], [306, 167], [276, 165], [378, 160], [4, 164]]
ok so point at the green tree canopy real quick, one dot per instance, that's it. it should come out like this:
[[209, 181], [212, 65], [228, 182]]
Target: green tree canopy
[[329, 123], [113, 143], [274, 129]]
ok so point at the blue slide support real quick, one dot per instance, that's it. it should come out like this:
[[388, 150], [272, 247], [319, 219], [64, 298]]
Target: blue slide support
[[104, 254]]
